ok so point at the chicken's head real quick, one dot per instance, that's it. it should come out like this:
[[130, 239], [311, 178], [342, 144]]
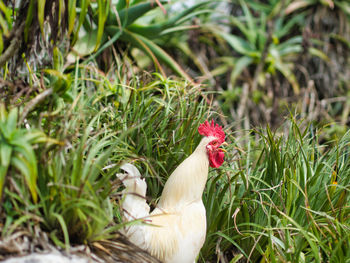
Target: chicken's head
[[215, 153]]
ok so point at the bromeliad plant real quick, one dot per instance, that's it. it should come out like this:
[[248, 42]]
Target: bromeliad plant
[[130, 23], [263, 41], [74, 189], [17, 155]]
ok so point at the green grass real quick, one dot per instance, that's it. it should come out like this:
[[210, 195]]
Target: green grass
[[99, 122], [284, 200]]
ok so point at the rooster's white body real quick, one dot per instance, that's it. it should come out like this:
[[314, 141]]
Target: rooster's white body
[[175, 230]]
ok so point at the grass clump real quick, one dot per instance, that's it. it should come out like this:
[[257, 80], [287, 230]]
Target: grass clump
[[290, 204], [100, 122]]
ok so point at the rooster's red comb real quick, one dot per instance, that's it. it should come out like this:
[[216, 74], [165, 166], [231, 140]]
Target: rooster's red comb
[[212, 129]]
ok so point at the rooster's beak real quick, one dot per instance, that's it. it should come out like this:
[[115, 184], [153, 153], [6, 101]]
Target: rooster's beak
[[224, 144]]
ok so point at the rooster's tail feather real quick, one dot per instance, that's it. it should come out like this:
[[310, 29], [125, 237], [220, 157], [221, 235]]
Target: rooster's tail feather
[[134, 203]]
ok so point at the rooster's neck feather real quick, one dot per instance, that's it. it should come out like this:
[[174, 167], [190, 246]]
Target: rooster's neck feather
[[186, 184]]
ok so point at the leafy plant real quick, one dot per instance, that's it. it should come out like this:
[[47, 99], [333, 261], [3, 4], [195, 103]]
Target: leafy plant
[[107, 121], [259, 42], [289, 203], [156, 122], [122, 26], [74, 190], [294, 6], [16, 151]]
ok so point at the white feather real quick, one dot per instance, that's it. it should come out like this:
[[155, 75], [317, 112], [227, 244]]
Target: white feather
[[134, 203]]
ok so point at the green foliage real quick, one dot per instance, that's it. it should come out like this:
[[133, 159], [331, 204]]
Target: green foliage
[[289, 204], [264, 48], [74, 189], [16, 151], [5, 23], [280, 197], [301, 4], [156, 123], [122, 26], [258, 39], [107, 121]]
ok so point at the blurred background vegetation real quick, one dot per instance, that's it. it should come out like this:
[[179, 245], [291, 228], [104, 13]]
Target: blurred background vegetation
[[88, 84]]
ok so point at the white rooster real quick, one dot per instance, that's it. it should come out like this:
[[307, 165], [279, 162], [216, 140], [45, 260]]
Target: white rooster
[[175, 230]]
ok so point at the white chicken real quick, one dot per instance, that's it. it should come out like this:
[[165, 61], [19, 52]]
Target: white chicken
[[174, 232]]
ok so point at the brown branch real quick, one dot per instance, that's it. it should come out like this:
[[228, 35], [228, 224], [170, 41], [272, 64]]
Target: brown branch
[[31, 104], [14, 45], [4, 83]]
